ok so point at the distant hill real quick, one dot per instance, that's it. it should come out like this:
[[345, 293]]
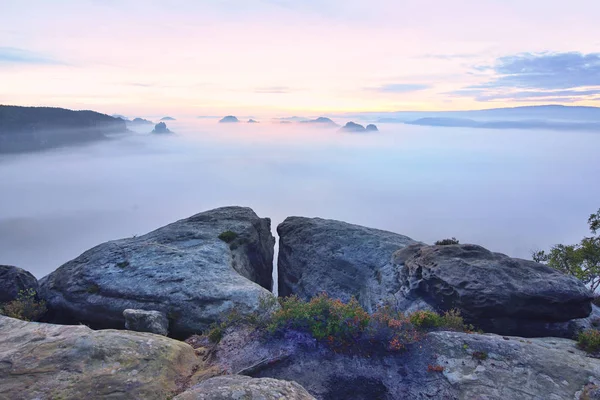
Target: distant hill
[[167, 119], [229, 119], [321, 121], [140, 121], [545, 113], [38, 128], [520, 124]]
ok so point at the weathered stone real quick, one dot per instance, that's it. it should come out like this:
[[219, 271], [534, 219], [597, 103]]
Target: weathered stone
[[318, 255], [237, 387], [506, 368], [497, 293], [13, 280], [146, 321], [443, 365], [183, 270], [48, 362]]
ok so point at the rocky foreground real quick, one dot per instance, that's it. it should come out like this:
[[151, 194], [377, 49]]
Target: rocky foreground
[[143, 294]]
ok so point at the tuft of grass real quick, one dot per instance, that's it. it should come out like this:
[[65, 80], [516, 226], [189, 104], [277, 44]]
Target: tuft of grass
[[123, 264], [93, 289], [589, 340], [480, 355], [26, 306], [447, 242], [228, 236], [215, 334]]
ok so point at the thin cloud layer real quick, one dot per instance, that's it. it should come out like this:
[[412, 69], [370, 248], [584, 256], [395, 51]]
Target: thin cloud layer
[[568, 77], [401, 87], [13, 55]]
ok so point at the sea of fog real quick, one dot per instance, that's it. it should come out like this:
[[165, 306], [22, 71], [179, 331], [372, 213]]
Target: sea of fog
[[511, 191]]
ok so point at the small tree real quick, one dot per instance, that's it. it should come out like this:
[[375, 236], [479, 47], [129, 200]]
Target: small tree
[[580, 260]]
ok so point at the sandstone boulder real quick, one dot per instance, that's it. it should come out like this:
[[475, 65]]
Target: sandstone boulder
[[443, 365], [194, 270], [47, 362], [13, 280], [146, 321], [497, 293], [319, 255], [236, 387]]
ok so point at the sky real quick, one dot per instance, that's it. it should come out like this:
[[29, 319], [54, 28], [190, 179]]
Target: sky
[[309, 57]]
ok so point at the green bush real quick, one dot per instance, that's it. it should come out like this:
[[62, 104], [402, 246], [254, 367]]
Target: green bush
[[425, 319], [228, 236], [589, 340], [215, 334], [447, 242], [26, 306]]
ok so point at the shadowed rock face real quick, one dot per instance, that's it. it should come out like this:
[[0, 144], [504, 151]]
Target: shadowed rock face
[[44, 361], [474, 367], [161, 127], [13, 280], [146, 321], [342, 259], [497, 293], [237, 387], [182, 269]]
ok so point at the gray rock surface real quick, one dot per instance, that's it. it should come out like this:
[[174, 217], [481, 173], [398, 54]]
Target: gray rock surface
[[473, 366], [146, 321], [342, 259], [182, 269], [497, 293], [237, 387], [13, 280], [50, 362]]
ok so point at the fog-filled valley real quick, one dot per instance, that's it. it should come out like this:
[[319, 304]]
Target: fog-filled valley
[[512, 191]]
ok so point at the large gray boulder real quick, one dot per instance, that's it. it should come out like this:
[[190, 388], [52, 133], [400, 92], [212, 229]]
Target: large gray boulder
[[319, 255], [183, 270], [495, 292], [442, 365], [46, 362], [146, 321], [237, 387], [13, 280]]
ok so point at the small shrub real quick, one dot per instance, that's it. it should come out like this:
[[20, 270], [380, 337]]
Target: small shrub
[[447, 242], [426, 320], [123, 264], [480, 355], [26, 306], [453, 321], [215, 334], [93, 289], [228, 236], [589, 340]]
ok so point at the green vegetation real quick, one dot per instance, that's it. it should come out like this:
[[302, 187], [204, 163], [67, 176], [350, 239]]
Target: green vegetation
[[341, 326], [228, 236], [123, 264], [480, 355], [589, 340], [93, 289], [447, 242], [580, 260], [26, 306]]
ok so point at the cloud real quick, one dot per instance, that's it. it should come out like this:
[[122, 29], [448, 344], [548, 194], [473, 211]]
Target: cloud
[[273, 89], [553, 77], [12, 55], [546, 71], [401, 87]]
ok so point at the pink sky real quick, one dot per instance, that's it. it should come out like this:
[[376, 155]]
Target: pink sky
[[289, 57]]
